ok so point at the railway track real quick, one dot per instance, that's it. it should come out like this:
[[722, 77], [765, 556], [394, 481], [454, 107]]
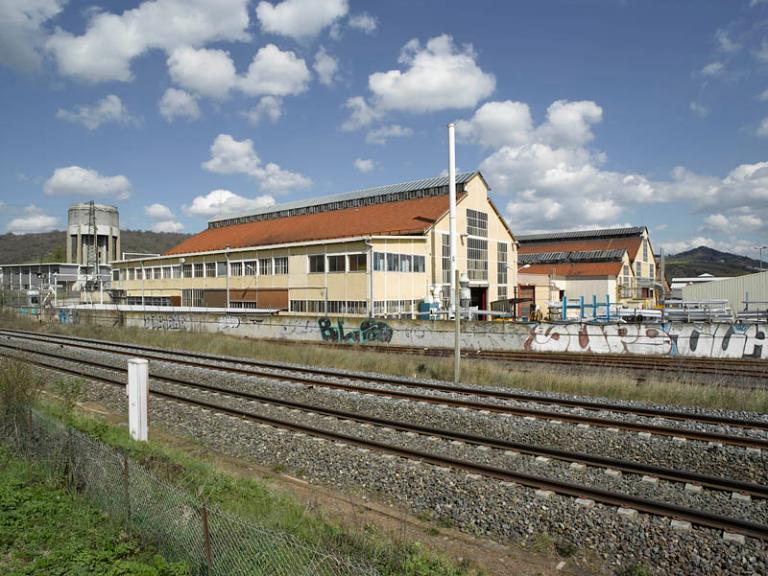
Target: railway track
[[318, 377], [698, 517]]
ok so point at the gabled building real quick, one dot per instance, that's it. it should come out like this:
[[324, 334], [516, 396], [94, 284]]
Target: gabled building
[[378, 251], [616, 261]]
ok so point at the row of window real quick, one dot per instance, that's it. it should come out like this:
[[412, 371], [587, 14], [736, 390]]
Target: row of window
[[391, 262], [260, 267], [329, 307], [320, 263]]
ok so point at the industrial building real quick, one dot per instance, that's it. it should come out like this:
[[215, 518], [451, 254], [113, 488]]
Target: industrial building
[[379, 251], [616, 262], [748, 293], [93, 234]]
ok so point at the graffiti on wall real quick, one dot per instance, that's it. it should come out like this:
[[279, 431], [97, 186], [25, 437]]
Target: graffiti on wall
[[68, 316], [164, 322], [369, 331], [228, 322], [705, 340]]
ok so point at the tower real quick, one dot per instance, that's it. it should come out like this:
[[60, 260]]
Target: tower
[[93, 234]]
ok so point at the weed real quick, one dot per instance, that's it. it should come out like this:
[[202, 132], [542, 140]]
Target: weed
[[634, 570]]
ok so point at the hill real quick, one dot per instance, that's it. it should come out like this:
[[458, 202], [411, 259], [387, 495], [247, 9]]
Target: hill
[[51, 247], [702, 259]]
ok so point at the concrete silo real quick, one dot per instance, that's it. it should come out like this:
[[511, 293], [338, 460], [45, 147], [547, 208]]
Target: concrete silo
[[93, 234]]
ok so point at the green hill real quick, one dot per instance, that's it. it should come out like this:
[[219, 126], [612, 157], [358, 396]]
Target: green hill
[[707, 260], [51, 247]]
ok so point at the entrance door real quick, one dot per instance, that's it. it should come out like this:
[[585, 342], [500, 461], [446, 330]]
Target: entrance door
[[479, 298]]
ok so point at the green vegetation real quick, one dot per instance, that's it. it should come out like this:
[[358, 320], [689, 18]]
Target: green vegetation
[[612, 384], [707, 260], [44, 529]]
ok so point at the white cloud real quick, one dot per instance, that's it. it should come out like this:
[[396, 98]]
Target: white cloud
[[326, 67], [22, 30], [300, 19], [77, 181], [34, 220], [364, 164], [178, 104], [230, 156], [269, 107], [164, 219], [762, 53], [733, 224], [158, 212], [108, 109], [725, 43], [382, 134], [223, 202], [111, 41], [439, 76], [497, 124], [363, 22], [276, 73], [713, 69], [570, 123], [698, 109], [361, 114], [762, 130], [763, 96], [207, 72]]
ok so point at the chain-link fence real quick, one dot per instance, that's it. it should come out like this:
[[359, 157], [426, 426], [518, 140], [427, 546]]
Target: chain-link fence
[[183, 527]]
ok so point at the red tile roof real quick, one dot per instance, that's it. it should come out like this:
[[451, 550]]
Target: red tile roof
[[631, 245], [407, 217], [576, 269]]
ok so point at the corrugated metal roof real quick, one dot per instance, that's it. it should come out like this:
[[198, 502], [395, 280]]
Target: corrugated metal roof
[[563, 257], [582, 234], [583, 269], [631, 244], [299, 206]]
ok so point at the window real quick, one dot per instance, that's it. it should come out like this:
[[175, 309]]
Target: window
[[378, 261], [221, 269], [236, 268], [405, 263], [210, 269], [446, 260], [337, 263], [251, 268], [199, 270], [501, 263], [393, 262], [477, 223], [419, 264], [358, 262], [175, 271], [187, 270], [645, 250], [157, 273], [265, 266], [638, 269], [477, 259], [316, 263], [651, 271], [115, 275], [167, 272], [502, 292], [131, 273], [281, 265]]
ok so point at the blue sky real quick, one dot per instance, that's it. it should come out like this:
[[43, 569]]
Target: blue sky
[[580, 114]]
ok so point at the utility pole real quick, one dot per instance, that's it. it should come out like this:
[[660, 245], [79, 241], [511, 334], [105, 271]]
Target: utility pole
[[452, 216]]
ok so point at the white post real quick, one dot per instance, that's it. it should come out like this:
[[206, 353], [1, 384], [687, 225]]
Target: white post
[[452, 213], [138, 398]]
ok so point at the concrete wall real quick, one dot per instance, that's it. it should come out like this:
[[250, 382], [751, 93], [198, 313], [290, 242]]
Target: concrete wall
[[696, 340]]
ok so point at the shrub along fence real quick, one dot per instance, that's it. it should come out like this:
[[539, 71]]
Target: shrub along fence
[[183, 527]]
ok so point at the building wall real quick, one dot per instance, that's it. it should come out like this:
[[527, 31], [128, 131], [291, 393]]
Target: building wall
[[735, 290]]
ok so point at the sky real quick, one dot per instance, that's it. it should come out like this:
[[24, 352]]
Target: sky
[[579, 113]]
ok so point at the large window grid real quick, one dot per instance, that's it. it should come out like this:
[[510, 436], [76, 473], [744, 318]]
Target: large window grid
[[477, 223], [477, 259], [446, 259], [501, 263], [392, 262]]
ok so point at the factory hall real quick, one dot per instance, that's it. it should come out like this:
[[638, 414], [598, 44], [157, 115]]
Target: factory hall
[[379, 251]]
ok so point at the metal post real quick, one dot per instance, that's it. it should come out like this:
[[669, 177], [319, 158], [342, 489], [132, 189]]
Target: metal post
[[608, 307], [581, 307], [457, 337], [207, 540], [138, 395], [564, 314], [452, 217], [594, 306]]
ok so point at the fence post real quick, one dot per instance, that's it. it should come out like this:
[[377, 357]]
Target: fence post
[[138, 396], [126, 492], [207, 540]]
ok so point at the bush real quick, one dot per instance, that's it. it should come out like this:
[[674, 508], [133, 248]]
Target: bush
[[20, 387]]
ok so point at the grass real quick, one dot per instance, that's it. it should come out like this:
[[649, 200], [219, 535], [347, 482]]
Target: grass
[[261, 503], [44, 529], [615, 385]]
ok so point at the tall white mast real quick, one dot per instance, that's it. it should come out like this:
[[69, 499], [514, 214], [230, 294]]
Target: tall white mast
[[452, 211]]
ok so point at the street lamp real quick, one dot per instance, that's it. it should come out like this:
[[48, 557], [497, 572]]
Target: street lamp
[[760, 251]]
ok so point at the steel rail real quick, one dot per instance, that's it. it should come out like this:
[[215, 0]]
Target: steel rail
[[177, 355], [700, 518]]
